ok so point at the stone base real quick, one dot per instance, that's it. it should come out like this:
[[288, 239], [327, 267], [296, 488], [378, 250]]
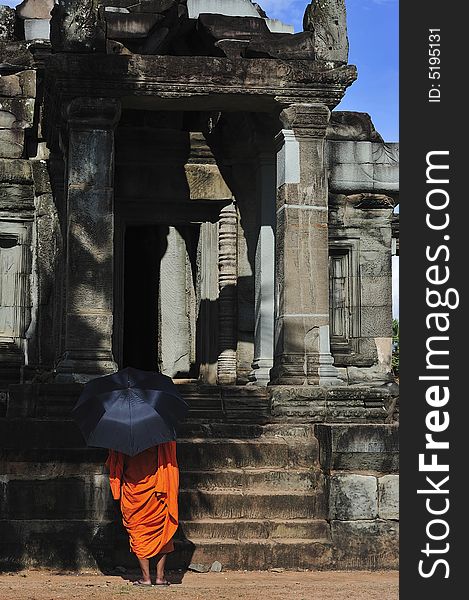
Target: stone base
[[11, 363], [297, 369], [256, 490], [330, 404], [260, 374], [82, 367]]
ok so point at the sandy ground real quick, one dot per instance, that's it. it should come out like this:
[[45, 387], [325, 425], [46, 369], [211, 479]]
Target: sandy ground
[[356, 585]]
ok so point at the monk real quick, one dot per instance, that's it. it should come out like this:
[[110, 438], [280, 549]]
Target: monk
[[147, 487]]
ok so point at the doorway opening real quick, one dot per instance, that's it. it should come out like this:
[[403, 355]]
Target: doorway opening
[[160, 299]]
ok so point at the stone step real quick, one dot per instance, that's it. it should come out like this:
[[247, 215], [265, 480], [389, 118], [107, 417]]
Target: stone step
[[275, 479], [61, 442], [90, 498], [249, 479], [256, 504], [257, 554], [261, 529], [213, 403], [234, 453], [201, 429], [58, 498], [52, 462], [79, 544]]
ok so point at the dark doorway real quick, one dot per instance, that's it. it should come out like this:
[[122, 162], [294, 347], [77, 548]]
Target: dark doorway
[[144, 247]]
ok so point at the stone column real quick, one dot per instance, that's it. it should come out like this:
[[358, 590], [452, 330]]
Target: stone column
[[90, 239], [302, 349], [227, 280], [174, 354], [264, 273]]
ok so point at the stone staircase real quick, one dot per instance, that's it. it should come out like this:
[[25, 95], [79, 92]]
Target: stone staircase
[[251, 495]]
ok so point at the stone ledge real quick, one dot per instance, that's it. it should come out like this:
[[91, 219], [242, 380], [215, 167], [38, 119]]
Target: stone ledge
[[331, 404]]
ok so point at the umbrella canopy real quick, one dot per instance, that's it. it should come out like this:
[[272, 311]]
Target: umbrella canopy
[[129, 411]]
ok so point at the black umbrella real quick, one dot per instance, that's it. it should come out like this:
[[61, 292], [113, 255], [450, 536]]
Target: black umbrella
[[129, 411]]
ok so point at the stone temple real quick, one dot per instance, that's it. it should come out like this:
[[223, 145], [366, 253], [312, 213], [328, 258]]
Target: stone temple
[[178, 194]]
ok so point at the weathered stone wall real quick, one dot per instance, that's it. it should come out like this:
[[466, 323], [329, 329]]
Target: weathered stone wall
[[363, 190], [29, 219], [17, 101], [361, 466]]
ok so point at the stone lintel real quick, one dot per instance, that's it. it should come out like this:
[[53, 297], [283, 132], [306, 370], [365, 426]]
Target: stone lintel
[[166, 76]]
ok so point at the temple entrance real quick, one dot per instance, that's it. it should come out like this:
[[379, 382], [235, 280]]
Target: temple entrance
[[160, 299]]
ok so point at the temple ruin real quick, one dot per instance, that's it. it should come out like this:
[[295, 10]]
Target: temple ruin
[[177, 193]]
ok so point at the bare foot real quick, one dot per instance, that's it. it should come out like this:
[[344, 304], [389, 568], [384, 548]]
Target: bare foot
[[162, 582], [142, 582]]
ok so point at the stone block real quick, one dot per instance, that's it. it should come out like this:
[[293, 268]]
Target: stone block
[[376, 291], [370, 447], [10, 86], [60, 544], [16, 197], [299, 46], [11, 143], [327, 20], [363, 167], [353, 497], [7, 23], [123, 26], [26, 434], [367, 545], [206, 183], [35, 9], [376, 321], [276, 26], [36, 29], [372, 263], [375, 375], [351, 177], [349, 153], [15, 171], [352, 126], [59, 498], [151, 6], [16, 113], [17, 53], [41, 177], [233, 8], [76, 26], [386, 166], [388, 497]]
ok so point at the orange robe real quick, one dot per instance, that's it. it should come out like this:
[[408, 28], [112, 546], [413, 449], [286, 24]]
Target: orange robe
[[147, 485]]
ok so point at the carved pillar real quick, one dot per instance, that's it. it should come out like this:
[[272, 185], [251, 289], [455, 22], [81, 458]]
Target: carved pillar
[[90, 239], [227, 265], [302, 348], [264, 273]]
